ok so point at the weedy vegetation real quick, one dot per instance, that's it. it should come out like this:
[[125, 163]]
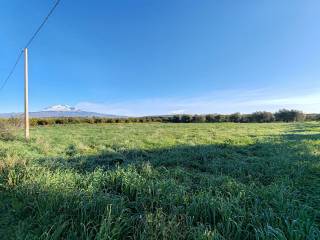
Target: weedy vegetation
[[9, 129], [162, 181]]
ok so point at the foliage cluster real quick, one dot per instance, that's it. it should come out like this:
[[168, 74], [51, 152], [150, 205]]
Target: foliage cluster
[[8, 129], [256, 117]]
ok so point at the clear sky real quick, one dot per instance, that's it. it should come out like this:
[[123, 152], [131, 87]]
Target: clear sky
[[171, 56]]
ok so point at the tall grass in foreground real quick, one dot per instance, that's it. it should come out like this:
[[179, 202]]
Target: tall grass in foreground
[[160, 181]]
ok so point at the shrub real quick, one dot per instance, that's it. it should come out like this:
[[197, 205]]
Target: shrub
[[176, 118], [289, 115], [74, 120], [235, 117], [186, 118], [210, 118], [87, 120], [198, 118], [220, 118], [142, 120], [97, 120], [119, 120], [246, 118], [59, 121], [7, 131], [110, 120], [42, 122], [262, 117], [312, 117]]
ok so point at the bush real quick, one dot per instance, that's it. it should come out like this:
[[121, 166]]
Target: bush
[[220, 118], [312, 117], [262, 117], [235, 117], [176, 119], [58, 121], [186, 118], [42, 122], [285, 115], [74, 120], [7, 131], [142, 119], [210, 118], [97, 120], [198, 119]]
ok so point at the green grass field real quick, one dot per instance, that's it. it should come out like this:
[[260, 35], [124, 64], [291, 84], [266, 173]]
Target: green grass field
[[162, 181]]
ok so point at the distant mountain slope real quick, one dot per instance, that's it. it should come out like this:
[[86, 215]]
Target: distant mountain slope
[[60, 111]]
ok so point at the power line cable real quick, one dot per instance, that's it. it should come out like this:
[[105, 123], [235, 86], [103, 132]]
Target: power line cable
[[11, 71], [42, 24], [28, 44]]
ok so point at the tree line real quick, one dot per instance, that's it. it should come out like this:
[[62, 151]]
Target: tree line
[[282, 115]]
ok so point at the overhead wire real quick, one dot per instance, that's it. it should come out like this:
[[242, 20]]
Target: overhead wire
[[5, 81], [11, 71]]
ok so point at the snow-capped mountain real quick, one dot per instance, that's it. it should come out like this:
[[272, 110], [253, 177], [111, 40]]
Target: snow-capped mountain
[[59, 110]]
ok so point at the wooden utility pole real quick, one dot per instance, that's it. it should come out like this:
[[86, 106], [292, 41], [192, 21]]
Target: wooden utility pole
[[26, 95]]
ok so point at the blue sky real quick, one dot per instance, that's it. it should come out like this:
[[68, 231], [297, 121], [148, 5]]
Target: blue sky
[[171, 56]]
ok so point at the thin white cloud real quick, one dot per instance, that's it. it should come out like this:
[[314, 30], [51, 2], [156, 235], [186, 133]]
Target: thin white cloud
[[225, 101], [178, 111]]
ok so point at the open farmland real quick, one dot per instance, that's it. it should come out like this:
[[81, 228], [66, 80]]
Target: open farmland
[[162, 181]]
